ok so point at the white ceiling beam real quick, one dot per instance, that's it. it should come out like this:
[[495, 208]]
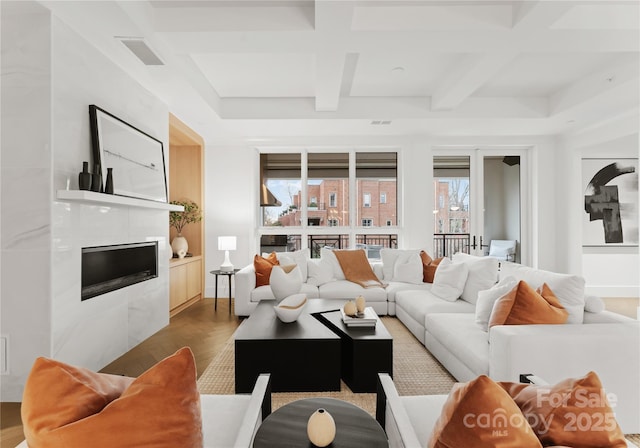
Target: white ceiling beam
[[531, 15], [332, 20], [384, 108], [469, 75], [619, 78], [439, 41]]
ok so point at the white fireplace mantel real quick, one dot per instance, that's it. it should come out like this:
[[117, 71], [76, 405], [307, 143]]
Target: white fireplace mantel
[[111, 199]]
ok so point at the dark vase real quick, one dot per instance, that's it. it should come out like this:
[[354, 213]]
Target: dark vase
[[108, 187], [84, 178], [96, 183]]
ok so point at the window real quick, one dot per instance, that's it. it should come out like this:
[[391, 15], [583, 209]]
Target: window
[[366, 200], [367, 222], [280, 176], [313, 202], [332, 222], [328, 172], [376, 177], [383, 198], [389, 222], [332, 200]]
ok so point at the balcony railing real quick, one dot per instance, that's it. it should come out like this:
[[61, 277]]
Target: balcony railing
[[371, 243], [447, 244]]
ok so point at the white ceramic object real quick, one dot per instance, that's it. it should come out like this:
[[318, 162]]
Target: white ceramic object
[[290, 308], [180, 246], [361, 304], [284, 282], [321, 428]]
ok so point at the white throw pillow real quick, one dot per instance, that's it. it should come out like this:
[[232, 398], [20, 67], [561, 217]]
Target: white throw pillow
[[483, 274], [283, 284], [328, 255], [594, 304], [488, 298], [320, 272], [569, 289], [449, 281], [299, 257], [408, 268], [389, 258]]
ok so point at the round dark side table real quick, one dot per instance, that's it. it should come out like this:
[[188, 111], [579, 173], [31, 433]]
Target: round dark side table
[[287, 426]]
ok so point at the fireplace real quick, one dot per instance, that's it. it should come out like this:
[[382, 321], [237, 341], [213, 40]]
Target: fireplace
[[107, 268]]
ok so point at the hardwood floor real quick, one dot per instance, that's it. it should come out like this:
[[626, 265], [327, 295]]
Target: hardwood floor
[[200, 327]]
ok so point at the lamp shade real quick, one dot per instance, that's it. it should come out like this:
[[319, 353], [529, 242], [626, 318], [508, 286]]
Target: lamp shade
[[226, 243]]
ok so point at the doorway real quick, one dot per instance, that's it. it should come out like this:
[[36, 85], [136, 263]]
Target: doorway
[[479, 198]]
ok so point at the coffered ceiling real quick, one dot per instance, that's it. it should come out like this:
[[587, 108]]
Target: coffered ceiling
[[269, 68]]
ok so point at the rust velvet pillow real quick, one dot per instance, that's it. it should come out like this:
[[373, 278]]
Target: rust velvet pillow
[[575, 412], [67, 406], [263, 267], [480, 414], [429, 267], [524, 305]]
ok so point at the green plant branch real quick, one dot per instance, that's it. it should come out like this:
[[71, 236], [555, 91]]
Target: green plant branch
[[191, 214]]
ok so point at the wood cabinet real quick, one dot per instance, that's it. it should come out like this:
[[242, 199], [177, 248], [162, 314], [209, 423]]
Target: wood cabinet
[[186, 181]]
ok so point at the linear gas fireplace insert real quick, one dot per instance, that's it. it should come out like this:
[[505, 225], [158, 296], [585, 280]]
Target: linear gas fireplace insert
[[107, 268]]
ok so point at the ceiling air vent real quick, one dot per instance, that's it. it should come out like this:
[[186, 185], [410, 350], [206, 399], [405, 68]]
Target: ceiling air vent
[[381, 122], [139, 47]]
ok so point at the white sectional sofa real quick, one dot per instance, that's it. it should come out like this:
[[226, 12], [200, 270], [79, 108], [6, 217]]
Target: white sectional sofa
[[604, 342]]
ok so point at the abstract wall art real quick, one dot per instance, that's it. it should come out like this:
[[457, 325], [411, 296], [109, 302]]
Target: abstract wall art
[[610, 189]]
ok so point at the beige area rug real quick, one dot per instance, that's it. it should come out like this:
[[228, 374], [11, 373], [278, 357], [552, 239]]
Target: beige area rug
[[415, 372]]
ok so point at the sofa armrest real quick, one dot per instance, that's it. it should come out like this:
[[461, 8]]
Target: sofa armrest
[[556, 352], [259, 409], [392, 416], [245, 283]]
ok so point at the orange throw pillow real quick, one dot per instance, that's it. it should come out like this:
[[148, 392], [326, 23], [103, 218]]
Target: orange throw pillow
[[263, 267], [524, 305], [429, 267], [67, 406], [480, 414], [574, 412]]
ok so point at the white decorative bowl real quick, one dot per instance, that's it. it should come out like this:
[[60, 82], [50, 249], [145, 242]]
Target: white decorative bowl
[[290, 308]]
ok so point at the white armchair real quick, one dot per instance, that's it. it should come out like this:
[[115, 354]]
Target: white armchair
[[503, 249]]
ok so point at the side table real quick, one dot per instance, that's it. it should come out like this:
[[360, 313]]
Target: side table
[[287, 426], [228, 274]]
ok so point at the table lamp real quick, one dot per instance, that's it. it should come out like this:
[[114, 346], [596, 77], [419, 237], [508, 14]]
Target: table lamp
[[226, 243]]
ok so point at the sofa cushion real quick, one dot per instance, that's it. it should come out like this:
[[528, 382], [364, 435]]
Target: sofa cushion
[[419, 303], [483, 274], [408, 269], [65, 406], [320, 272], [569, 289], [327, 255], [429, 266], [487, 298], [223, 415], [450, 280], [468, 419], [593, 304], [344, 289], [423, 412], [394, 287], [523, 305], [575, 412], [356, 268], [389, 258], [265, 293], [299, 258], [460, 334], [263, 267]]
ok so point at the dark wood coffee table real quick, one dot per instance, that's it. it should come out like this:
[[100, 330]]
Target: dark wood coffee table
[[287, 426], [365, 351], [301, 356]]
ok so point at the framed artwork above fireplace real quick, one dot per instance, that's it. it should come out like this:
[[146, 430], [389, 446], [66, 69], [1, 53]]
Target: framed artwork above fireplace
[[137, 159]]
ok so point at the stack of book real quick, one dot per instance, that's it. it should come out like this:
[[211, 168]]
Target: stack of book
[[367, 319]]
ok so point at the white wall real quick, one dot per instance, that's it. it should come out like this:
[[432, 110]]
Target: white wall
[[232, 184], [53, 76], [609, 271]]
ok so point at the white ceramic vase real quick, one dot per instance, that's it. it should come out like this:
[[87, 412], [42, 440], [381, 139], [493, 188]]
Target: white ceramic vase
[[321, 428], [180, 245], [285, 281]]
